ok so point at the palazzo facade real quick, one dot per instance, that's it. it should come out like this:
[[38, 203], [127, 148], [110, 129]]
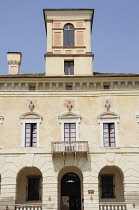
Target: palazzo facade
[[69, 137]]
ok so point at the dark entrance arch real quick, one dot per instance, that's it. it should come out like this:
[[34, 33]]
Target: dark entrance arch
[[70, 192]]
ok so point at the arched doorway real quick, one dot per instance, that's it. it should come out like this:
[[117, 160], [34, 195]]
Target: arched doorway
[[70, 192]]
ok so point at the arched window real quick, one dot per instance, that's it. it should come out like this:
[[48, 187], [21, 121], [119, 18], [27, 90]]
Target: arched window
[[68, 35]]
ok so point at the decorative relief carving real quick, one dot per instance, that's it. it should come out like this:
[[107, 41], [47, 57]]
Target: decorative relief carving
[[65, 103], [108, 116], [70, 115], [107, 105], [31, 106], [69, 106]]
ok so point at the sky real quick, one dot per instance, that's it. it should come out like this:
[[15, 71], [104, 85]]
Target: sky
[[115, 35]]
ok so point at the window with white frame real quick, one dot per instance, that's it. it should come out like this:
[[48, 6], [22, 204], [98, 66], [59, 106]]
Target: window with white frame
[[69, 126], [30, 134], [30, 129], [69, 131], [109, 129], [109, 134]]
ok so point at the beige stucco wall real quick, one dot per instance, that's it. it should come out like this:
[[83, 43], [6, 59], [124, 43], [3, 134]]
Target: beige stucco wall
[[57, 67], [21, 186], [50, 107], [88, 99], [55, 21], [14, 157], [118, 184], [53, 169], [80, 19]]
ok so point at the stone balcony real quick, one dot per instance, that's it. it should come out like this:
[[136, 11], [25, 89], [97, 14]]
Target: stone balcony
[[102, 206], [112, 206], [28, 206], [59, 147]]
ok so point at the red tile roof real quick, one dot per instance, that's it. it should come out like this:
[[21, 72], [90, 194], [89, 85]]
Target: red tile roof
[[42, 75]]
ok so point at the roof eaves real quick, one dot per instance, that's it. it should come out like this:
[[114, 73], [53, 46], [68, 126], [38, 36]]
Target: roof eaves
[[96, 75], [68, 9]]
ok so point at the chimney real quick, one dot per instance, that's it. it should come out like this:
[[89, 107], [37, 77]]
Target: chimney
[[14, 61]]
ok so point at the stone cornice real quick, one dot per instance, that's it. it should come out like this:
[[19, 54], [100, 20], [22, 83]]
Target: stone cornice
[[59, 83], [69, 55]]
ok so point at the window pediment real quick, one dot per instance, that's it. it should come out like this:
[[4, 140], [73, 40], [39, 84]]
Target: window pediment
[[30, 116], [70, 115], [108, 116]]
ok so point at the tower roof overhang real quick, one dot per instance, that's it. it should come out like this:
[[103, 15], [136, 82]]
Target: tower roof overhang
[[53, 14]]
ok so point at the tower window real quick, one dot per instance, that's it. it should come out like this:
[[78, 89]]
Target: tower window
[[68, 35], [69, 67]]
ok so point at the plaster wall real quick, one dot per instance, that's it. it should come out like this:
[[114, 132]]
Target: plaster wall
[[57, 67], [52, 170], [50, 129]]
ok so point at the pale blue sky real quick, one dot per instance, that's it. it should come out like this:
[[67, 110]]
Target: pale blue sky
[[115, 38]]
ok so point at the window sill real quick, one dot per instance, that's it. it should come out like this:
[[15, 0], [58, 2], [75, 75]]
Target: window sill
[[109, 198], [111, 147], [34, 201], [29, 147], [71, 47]]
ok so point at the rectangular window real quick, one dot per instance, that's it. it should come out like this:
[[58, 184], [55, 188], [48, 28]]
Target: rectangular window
[[32, 88], [69, 67], [33, 188], [106, 87], [68, 87], [109, 134], [69, 132], [107, 186], [30, 134]]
